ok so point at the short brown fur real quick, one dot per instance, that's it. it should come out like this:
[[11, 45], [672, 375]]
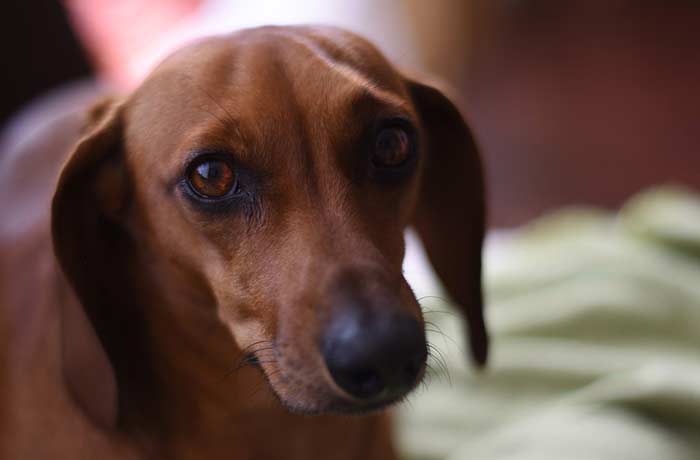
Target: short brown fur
[[131, 341]]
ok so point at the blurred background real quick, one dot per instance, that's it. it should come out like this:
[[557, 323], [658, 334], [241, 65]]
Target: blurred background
[[594, 317], [572, 102]]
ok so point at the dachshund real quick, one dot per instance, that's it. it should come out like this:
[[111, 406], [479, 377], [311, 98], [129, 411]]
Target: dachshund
[[211, 267]]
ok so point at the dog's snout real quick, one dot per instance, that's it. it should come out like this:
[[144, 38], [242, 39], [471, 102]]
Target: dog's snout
[[374, 356]]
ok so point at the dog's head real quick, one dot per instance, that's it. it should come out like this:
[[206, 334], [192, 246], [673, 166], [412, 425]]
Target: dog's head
[[276, 170]]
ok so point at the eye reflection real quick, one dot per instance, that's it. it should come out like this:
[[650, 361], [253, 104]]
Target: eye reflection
[[212, 178]]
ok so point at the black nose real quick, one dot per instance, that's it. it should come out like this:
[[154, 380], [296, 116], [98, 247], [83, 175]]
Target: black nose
[[374, 355]]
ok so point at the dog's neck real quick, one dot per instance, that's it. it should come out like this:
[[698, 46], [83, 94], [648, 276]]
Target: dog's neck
[[194, 400]]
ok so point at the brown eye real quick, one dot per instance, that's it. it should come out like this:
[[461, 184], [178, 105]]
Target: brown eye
[[212, 178], [392, 148]]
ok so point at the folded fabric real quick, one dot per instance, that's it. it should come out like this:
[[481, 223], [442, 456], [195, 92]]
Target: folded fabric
[[595, 322]]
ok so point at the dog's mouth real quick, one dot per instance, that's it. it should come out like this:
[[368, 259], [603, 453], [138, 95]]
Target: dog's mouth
[[309, 388], [381, 401]]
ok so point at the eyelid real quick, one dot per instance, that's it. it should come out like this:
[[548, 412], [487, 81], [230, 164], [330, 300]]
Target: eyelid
[[396, 121], [200, 157], [211, 152], [401, 122]]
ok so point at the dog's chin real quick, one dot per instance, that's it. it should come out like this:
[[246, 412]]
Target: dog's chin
[[336, 406], [299, 397]]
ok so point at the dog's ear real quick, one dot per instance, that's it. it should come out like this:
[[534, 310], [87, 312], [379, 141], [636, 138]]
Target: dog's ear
[[450, 216], [90, 192]]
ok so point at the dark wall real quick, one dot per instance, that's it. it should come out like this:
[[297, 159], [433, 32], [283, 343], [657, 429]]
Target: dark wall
[[584, 101], [38, 50]]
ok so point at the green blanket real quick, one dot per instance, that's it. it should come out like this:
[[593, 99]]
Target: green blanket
[[595, 322]]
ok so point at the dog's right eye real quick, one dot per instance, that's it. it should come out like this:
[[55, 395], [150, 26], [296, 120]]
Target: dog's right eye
[[211, 177]]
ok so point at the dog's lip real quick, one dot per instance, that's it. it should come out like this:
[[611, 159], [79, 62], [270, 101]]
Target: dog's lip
[[381, 401], [340, 406], [343, 406], [340, 403]]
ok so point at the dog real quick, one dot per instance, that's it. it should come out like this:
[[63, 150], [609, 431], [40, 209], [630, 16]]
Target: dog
[[214, 269]]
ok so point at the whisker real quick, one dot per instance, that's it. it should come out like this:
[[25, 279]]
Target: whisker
[[433, 297], [244, 355], [428, 311], [436, 329], [440, 361]]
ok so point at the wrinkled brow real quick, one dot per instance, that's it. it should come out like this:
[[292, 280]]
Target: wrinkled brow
[[363, 98], [372, 95]]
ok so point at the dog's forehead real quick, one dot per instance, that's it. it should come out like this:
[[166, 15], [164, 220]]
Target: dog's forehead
[[261, 79], [317, 58], [290, 53]]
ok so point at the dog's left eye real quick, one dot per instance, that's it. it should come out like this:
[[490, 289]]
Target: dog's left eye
[[211, 177], [392, 148]]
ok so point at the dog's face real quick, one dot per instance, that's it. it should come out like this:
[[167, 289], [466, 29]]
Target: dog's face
[[279, 168]]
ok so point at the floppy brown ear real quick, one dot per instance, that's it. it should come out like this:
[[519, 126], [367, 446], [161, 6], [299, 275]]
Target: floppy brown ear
[[90, 189], [450, 217]]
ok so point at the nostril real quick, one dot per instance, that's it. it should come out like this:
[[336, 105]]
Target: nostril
[[353, 369], [364, 383]]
